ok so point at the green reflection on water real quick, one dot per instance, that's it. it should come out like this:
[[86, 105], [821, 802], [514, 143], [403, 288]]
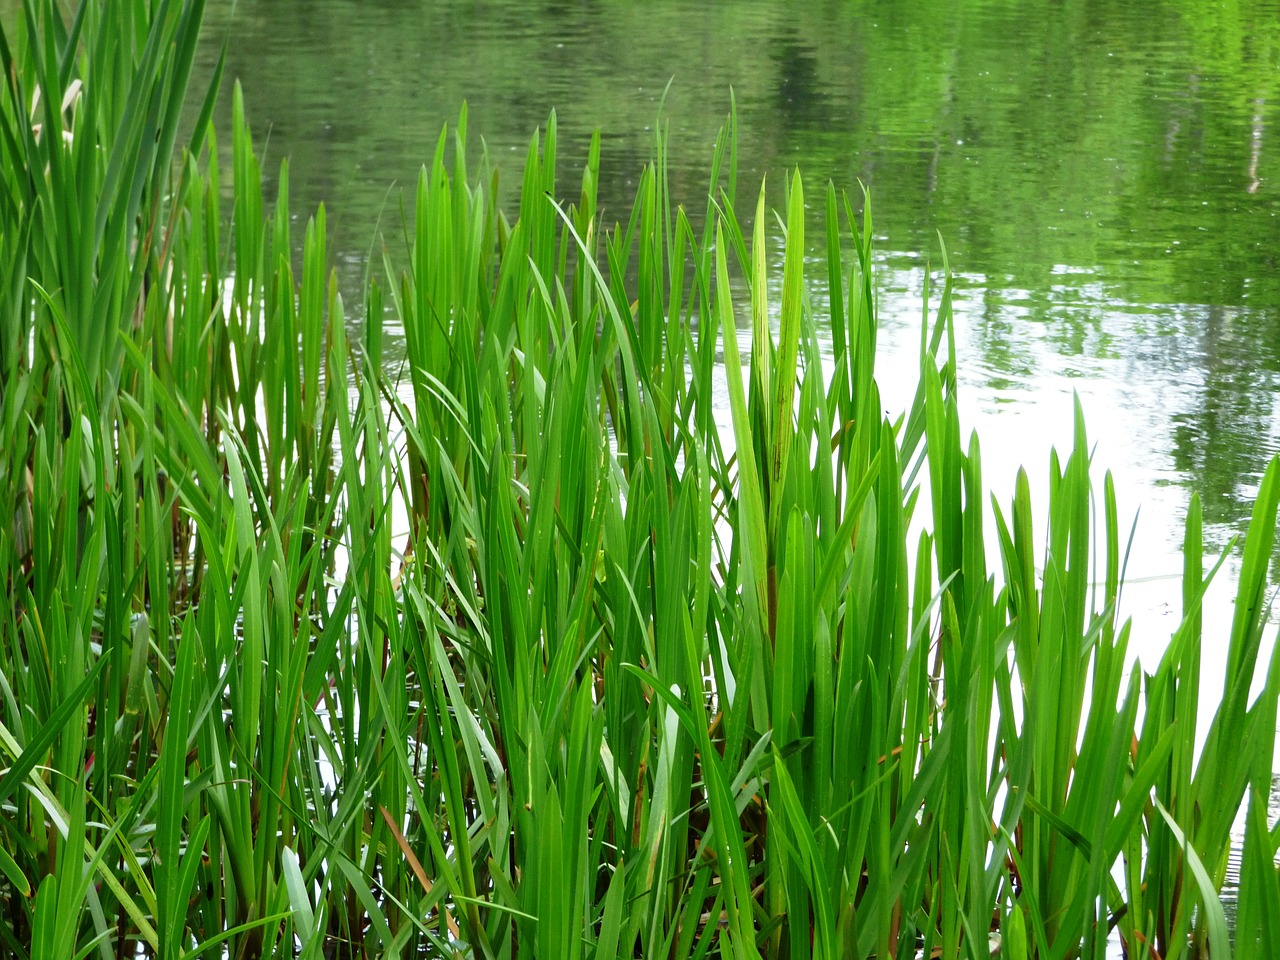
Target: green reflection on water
[[1102, 172]]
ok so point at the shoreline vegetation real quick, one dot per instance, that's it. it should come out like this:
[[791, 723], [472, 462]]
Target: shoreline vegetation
[[633, 685]]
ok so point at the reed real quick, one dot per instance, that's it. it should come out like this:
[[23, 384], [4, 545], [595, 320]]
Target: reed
[[518, 645]]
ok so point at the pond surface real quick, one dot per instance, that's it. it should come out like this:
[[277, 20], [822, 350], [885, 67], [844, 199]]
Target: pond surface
[[1104, 175]]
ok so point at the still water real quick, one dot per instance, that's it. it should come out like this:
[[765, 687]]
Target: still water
[[1105, 176]]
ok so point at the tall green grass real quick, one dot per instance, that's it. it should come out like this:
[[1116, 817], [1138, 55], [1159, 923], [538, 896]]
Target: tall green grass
[[519, 645]]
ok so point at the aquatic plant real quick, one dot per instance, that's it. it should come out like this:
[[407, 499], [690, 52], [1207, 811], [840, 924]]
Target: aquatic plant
[[517, 643]]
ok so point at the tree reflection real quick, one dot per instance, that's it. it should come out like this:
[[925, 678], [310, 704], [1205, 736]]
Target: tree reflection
[[1104, 177]]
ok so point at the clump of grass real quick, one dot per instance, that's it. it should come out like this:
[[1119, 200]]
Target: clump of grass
[[630, 678]]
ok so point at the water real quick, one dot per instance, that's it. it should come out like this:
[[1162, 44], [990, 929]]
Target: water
[[1104, 175], [1104, 178]]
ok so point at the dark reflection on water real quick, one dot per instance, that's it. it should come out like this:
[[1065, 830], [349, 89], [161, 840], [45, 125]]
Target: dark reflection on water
[[1231, 887], [1103, 173]]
